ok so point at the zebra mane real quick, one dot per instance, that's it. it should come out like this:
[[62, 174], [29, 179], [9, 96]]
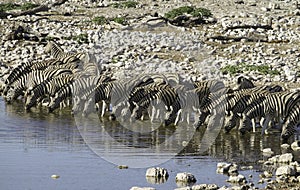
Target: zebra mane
[[52, 45]]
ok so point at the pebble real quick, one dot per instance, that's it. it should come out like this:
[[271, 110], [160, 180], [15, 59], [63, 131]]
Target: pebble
[[123, 167], [54, 176], [142, 188]]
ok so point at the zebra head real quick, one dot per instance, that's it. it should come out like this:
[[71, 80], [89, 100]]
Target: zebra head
[[246, 125], [287, 131], [54, 103], [78, 104], [30, 99], [12, 94]]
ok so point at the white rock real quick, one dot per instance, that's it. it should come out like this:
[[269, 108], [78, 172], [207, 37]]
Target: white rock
[[268, 151], [285, 158], [237, 179], [285, 170], [142, 188], [157, 172], [223, 167], [185, 177], [295, 146]]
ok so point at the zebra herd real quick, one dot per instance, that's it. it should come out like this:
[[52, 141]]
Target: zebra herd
[[75, 79]]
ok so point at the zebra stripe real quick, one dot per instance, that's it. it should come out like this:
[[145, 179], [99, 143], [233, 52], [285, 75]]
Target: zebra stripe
[[293, 119], [64, 93], [275, 105], [57, 52], [243, 98], [30, 80], [47, 88]]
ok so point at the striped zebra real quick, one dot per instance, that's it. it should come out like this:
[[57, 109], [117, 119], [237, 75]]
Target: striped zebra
[[81, 86], [291, 123], [30, 80], [212, 103], [274, 106], [244, 83], [203, 90], [150, 102], [160, 92], [62, 95], [101, 96], [241, 99], [46, 89], [29, 66], [57, 52]]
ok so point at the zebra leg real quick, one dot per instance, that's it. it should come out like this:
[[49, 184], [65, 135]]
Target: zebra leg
[[202, 118], [265, 124], [179, 114], [104, 106]]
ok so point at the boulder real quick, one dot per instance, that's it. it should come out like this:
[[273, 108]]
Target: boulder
[[285, 158], [157, 172], [237, 179], [185, 177], [285, 170]]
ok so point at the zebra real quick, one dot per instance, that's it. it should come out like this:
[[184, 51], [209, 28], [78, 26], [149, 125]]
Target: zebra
[[275, 105], [47, 88], [64, 93], [160, 92], [101, 95], [244, 83], [242, 98], [203, 89], [58, 53], [27, 67], [29, 80], [82, 87], [292, 120]]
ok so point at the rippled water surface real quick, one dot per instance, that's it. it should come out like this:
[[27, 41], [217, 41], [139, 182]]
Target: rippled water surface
[[35, 145]]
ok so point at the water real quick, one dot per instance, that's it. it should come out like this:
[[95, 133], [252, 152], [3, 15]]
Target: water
[[35, 145]]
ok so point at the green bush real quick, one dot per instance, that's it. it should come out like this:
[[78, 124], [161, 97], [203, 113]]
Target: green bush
[[100, 20], [11, 6], [126, 4], [121, 20], [195, 12], [243, 67], [8, 6], [27, 6]]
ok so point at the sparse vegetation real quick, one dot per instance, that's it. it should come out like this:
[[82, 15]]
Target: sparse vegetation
[[121, 20], [100, 20], [8, 6], [243, 67], [195, 12], [12, 6], [126, 4]]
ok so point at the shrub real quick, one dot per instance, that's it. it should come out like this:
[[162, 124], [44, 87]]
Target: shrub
[[243, 67], [11, 6], [195, 12], [101, 20], [126, 4], [121, 20]]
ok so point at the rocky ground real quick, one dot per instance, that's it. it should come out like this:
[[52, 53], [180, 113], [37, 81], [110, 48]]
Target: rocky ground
[[254, 38], [259, 39]]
